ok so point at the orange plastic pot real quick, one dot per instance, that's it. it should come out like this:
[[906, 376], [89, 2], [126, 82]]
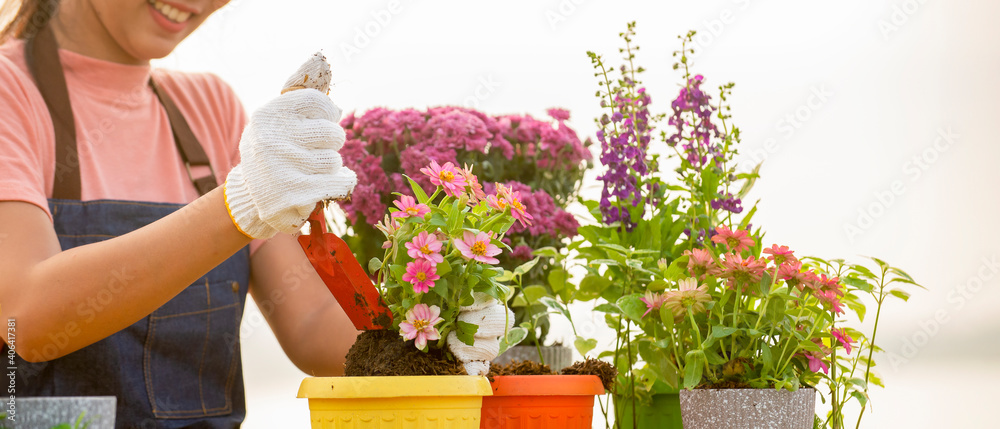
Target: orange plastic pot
[[541, 401]]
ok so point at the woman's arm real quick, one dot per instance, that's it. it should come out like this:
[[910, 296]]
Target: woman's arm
[[43, 287], [308, 322]]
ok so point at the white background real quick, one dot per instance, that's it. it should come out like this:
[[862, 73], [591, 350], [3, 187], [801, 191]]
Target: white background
[[897, 73]]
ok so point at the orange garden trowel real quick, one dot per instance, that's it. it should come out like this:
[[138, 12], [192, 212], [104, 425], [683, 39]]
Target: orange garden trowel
[[343, 275], [330, 255]]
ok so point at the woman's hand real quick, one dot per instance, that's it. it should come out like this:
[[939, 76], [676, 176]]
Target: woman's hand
[[289, 158]]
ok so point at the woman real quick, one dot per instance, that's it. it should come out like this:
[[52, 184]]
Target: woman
[[123, 266]]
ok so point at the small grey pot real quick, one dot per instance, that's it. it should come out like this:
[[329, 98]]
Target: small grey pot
[[748, 408], [98, 412]]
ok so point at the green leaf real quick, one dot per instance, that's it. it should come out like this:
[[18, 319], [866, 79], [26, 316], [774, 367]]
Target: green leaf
[[677, 269], [466, 332], [746, 219], [513, 338], [709, 183], [397, 271], [533, 293], [556, 306], [608, 308], [694, 364], [748, 184], [455, 217], [441, 288], [667, 317], [608, 262], [861, 397], [547, 252], [585, 345], [767, 359], [765, 284], [632, 307], [525, 267], [519, 301], [374, 264], [615, 248], [656, 285], [557, 279], [417, 191], [442, 268], [505, 277], [719, 331], [592, 286], [776, 310], [809, 346], [901, 294]]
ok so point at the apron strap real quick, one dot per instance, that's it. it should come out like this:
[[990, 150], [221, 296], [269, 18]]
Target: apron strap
[[191, 151], [42, 56]]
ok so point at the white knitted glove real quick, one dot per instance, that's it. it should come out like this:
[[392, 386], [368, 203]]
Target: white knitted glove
[[489, 315], [289, 158]]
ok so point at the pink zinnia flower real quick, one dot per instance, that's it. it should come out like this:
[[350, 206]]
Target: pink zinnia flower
[[653, 301], [816, 363], [507, 196], [496, 202], [689, 296], [425, 246], [447, 177], [419, 324], [780, 255], [478, 247], [845, 340], [792, 274], [408, 207], [831, 300], [742, 272], [736, 241], [422, 274], [700, 263], [475, 189], [388, 226]]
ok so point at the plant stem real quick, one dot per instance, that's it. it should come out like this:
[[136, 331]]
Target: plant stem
[[871, 349]]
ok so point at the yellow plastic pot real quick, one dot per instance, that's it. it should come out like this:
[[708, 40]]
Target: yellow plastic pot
[[442, 401]]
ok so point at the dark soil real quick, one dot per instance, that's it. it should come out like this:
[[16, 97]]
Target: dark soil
[[600, 368], [725, 384], [517, 367], [385, 353]]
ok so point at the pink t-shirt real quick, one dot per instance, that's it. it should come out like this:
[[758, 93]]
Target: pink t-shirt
[[126, 148]]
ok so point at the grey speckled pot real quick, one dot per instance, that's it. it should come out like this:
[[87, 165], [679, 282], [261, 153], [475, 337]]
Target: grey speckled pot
[[556, 357], [748, 408], [34, 413]]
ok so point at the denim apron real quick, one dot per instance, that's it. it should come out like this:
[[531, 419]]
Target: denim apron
[[178, 367]]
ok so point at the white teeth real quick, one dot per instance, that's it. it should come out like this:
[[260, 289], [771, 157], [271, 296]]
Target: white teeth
[[170, 12]]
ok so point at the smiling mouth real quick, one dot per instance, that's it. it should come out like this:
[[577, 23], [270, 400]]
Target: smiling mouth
[[170, 12]]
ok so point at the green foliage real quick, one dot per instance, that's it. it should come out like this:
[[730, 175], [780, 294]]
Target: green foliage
[[449, 218], [690, 311]]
